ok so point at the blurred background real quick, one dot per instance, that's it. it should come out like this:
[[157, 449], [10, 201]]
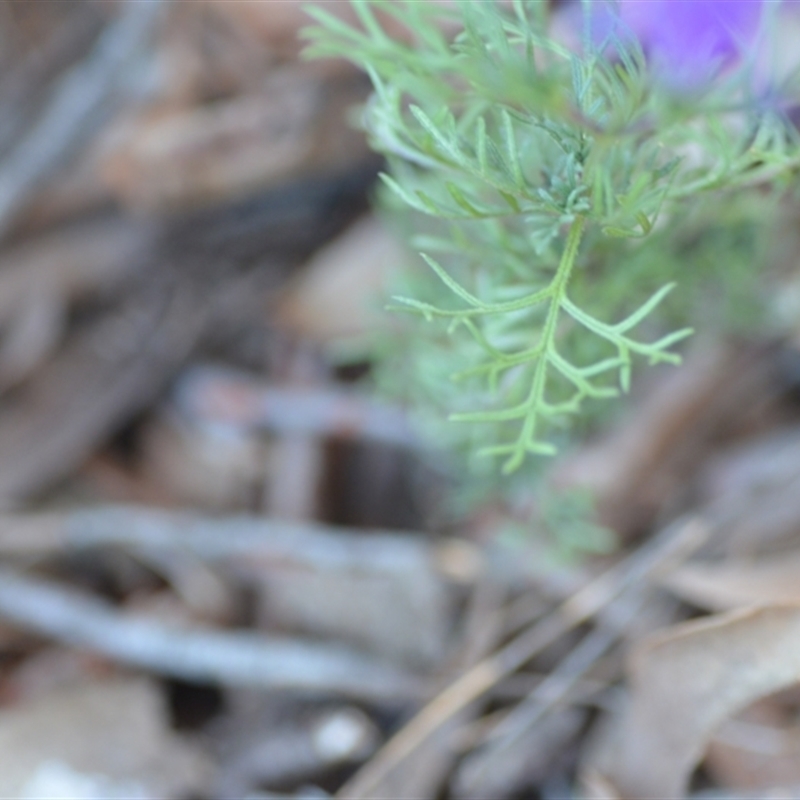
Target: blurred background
[[230, 567]]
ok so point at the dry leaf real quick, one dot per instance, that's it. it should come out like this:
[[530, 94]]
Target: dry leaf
[[686, 681], [638, 468], [760, 462], [726, 586], [403, 613], [341, 293], [758, 749], [209, 466], [209, 153], [277, 23], [100, 733], [764, 470]]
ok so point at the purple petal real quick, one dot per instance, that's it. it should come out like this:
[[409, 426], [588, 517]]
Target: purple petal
[[687, 42]]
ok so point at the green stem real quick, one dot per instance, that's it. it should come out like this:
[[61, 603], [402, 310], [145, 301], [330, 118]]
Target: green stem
[[547, 341]]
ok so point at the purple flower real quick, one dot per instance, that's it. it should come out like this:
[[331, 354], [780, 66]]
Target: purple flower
[[687, 42]]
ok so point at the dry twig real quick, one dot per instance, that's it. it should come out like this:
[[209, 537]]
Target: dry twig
[[480, 768], [78, 98], [233, 540], [675, 542], [236, 399], [231, 658]]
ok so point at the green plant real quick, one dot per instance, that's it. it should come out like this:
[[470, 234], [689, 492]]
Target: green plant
[[548, 170]]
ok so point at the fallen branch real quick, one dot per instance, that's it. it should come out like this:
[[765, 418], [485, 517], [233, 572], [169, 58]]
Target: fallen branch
[[38, 281], [77, 99], [108, 371], [24, 83], [229, 658], [101, 377], [234, 540], [236, 399]]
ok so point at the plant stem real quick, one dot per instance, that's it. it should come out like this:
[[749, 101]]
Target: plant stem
[[559, 289]]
